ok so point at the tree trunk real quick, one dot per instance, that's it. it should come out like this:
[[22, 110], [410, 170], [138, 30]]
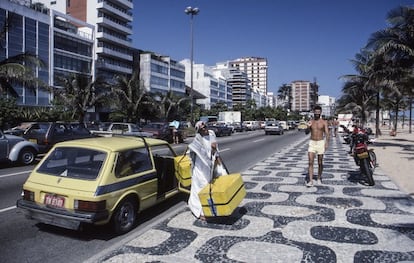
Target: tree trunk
[[396, 117], [410, 120], [377, 114]]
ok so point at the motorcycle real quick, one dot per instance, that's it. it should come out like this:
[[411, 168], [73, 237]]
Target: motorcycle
[[364, 158]]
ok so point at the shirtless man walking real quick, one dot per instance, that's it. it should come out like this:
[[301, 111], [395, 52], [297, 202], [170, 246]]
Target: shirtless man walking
[[317, 144]]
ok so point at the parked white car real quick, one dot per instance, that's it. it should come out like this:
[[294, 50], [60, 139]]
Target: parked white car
[[17, 149], [251, 125], [284, 125]]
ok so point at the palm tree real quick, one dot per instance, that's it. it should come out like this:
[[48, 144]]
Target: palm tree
[[396, 43], [408, 89], [131, 96], [359, 89], [394, 100], [169, 105], [78, 94], [8, 112], [17, 70], [285, 94]]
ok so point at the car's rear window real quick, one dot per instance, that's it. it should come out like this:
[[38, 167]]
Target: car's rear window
[[38, 128], [73, 162]]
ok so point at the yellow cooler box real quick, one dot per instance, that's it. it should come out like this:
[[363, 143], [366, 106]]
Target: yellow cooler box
[[182, 166], [223, 196]]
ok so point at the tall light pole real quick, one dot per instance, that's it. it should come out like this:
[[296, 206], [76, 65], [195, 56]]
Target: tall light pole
[[192, 12]]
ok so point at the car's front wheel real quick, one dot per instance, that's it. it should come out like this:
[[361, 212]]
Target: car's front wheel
[[27, 156], [124, 217]]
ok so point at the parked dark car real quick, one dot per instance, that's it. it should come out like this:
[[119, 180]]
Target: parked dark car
[[291, 125], [18, 130], [16, 149], [220, 129], [47, 134], [162, 130], [239, 127]]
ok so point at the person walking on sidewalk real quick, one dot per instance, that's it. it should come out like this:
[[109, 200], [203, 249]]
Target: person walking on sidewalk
[[203, 153], [318, 143]]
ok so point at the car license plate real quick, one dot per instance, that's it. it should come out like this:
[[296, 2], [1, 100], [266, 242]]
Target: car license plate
[[33, 140], [54, 200]]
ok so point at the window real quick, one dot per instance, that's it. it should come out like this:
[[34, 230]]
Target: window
[[73, 162], [132, 161]]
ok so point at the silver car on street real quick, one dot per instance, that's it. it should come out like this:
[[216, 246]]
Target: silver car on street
[[273, 127], [17, 149]]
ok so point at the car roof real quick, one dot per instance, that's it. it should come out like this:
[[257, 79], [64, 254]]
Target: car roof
[[116, 143]]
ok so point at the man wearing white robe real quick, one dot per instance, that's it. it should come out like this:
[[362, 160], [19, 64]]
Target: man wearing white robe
[[203, 151]]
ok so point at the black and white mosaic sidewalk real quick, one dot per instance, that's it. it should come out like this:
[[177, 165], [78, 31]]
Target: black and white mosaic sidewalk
[[281, 220]]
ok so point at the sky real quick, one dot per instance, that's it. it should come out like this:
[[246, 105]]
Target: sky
[[301, 39]]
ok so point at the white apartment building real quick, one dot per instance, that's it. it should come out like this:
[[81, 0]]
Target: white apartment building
[[271, 99], [210, 85], [72, 47], [162, 74], [327, 104], [113, 25], [225, 92], [256, 69], [238, 83]]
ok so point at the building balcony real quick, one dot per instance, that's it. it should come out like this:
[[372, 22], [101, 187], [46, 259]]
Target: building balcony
[[126, 3], [112, 53], [112, 67], [125, 29], [127, 17], [114, 40]]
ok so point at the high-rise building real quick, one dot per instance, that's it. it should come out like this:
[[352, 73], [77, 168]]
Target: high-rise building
[[113, 24], [55, 38], [304, 95], [72, 48], [238, 82], [256, 70]]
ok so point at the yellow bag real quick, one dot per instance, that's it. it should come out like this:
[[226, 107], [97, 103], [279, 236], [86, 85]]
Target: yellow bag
[[182, 165], [222, 197]]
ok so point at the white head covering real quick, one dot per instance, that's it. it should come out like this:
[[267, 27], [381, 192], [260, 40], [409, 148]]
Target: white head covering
[[198, 125]]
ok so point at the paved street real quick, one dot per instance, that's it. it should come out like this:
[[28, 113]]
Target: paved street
[[281, 220]]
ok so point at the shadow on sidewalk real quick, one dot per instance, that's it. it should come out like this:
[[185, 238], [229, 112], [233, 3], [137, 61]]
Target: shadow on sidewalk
[[406, 149], [357, 177]]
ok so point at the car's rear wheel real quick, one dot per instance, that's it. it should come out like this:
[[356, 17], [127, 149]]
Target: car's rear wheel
[[124, 217], [27, 156]]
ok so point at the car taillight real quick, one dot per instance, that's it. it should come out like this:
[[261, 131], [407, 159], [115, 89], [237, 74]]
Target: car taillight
[[90, 206], [28, 195]]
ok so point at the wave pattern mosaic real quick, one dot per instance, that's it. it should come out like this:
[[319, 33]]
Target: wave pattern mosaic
[[281, 220]]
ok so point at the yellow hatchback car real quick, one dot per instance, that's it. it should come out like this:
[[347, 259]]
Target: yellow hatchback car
[[302, 126], [101, 180]]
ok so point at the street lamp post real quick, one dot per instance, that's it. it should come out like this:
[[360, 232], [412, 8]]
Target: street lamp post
[[192, 12]]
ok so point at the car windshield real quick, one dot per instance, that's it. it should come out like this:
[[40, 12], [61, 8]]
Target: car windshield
[[73, 162], [135, 128], [272, 123]]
